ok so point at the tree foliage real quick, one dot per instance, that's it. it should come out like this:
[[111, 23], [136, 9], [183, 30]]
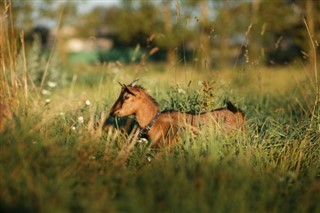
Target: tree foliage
[[259, 31]]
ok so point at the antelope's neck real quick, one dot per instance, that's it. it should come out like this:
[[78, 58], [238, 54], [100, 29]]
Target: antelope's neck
[[146, 113]]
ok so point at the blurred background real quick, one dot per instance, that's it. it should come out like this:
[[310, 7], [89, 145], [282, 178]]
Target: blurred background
[[207, 34]]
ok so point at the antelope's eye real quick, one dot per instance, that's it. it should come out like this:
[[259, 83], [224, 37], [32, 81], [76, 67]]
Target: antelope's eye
[[126, 97]]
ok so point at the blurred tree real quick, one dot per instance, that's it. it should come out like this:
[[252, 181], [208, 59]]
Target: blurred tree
[[258, 30], [311, 8], [22, 14], [254, 34], [39, 17], [204, 51], [279, 38], [204, 27], [231, 26], [225, 32], [136, 25], [138, 22], [283, 32], [173, 33], [90, 22], [168, 26], [27, 14]]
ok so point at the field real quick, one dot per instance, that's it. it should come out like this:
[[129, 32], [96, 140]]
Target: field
[[55, 155], [52, 161]]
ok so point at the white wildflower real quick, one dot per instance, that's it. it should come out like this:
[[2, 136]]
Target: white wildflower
[[88, 103], [143, 140], [80, 119], [62, 114], [149, 159], [73, 128], [52, 84], [48, 101], [45, 92], [181, 91]]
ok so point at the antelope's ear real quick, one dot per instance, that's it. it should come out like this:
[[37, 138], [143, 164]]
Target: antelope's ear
[[134, 83], [128, 90]]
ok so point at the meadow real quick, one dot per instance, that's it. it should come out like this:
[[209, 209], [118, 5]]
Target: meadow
[[55, 155], [56, 159]]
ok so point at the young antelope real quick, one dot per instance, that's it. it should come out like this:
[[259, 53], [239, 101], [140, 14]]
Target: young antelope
[[163, 126]]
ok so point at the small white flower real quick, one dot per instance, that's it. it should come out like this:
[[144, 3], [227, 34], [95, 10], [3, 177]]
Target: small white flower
[[80, 119], [48, 101], [45, 92], [143, 140], [88, 103], [52, 84], [62, 114], [73, 128], [92, 157], [181, 91], [149, 159]]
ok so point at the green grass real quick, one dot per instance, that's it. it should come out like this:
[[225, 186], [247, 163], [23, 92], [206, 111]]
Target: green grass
[[51, 161], [46, 166]]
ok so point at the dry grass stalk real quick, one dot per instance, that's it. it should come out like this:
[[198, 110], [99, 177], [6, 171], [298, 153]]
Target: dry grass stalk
[[317, 85]]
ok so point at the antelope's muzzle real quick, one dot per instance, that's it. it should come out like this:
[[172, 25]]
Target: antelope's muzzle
[[114, 111]]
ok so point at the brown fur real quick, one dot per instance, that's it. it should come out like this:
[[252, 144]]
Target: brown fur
[[134, 100]]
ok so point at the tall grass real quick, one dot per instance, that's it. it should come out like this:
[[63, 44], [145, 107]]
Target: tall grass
[[55, 159], [9, 84], [273, 167]]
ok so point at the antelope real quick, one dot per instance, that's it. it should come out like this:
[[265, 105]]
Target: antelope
[[162, 127]]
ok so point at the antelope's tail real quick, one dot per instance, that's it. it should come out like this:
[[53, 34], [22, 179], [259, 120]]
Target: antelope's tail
[[233, 108], [239, 113]]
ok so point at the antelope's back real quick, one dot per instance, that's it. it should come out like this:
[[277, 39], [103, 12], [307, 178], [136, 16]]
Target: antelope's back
[[224, 118], [230, 120], [221, 118]]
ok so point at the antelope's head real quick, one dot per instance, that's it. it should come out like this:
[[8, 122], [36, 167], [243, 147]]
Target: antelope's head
[[128, 101]]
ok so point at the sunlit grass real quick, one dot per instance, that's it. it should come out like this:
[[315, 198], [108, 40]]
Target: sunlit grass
[[52, 161]]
